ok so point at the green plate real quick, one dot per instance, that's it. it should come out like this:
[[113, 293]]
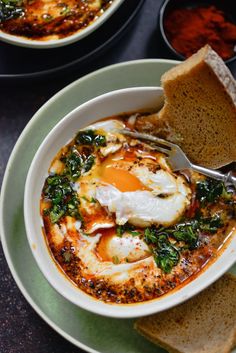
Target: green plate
[[87, 331]]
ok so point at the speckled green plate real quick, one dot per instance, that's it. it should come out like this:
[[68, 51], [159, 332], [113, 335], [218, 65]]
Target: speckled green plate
[[87, 331]]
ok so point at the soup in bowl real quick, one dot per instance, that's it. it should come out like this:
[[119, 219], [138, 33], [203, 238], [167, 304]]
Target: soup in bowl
[[111, 226], [49, 23]]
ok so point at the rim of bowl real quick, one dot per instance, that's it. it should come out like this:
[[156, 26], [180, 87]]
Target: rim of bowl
[[55, 43], [205, 278], [170, 47]]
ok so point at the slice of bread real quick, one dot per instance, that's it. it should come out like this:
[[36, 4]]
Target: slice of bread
[[204, 324], [199, 112]]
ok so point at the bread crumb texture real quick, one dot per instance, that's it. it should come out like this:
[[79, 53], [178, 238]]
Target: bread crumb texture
[[201, 108], [204, 324], [199, 112]]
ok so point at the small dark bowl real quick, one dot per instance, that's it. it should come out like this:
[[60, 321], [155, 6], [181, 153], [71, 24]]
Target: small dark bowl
[[228, 6]]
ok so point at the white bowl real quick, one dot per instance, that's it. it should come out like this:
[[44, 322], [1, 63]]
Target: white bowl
[[54, 43], [112, 103]]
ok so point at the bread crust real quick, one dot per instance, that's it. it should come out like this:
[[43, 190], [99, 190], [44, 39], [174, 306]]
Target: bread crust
[[199, 112], [204, 324]]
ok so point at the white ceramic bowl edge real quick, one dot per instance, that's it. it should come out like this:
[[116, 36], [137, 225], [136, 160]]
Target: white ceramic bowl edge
[[109, 104]]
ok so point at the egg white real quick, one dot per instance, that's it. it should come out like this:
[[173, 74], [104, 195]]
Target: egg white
[[164, 201], [144, 208]]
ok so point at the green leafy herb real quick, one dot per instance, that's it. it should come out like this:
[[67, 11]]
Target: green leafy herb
[[166, 255], [76, 164], [92, 200], [11, 9], [134, 233], [211, 225], [72, 207], [209, 190], [85, 198], [187, 233], [88, 163], [151, 235], [56, 212], [64, 200], [90, 137], [57, 188], [120, 230]]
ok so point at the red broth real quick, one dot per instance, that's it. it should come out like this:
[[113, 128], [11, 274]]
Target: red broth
[[137, 260]]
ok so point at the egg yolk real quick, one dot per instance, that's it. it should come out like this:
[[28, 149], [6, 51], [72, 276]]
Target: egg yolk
[[101, 252], [121, 179]]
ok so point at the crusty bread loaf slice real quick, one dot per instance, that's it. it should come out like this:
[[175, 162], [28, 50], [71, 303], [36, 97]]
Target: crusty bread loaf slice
[[200, 109], [204, 324]]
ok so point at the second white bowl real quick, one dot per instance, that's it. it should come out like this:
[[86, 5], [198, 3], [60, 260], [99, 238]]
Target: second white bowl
[[54, 43]]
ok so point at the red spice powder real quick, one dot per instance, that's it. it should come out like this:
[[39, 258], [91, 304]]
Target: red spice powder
[[190, 29]]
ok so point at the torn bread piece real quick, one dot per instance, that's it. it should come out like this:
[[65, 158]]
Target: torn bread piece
[[204, 324], [199, 113]]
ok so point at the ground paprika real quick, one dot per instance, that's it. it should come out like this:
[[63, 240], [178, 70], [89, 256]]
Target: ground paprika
[[189, 29]]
